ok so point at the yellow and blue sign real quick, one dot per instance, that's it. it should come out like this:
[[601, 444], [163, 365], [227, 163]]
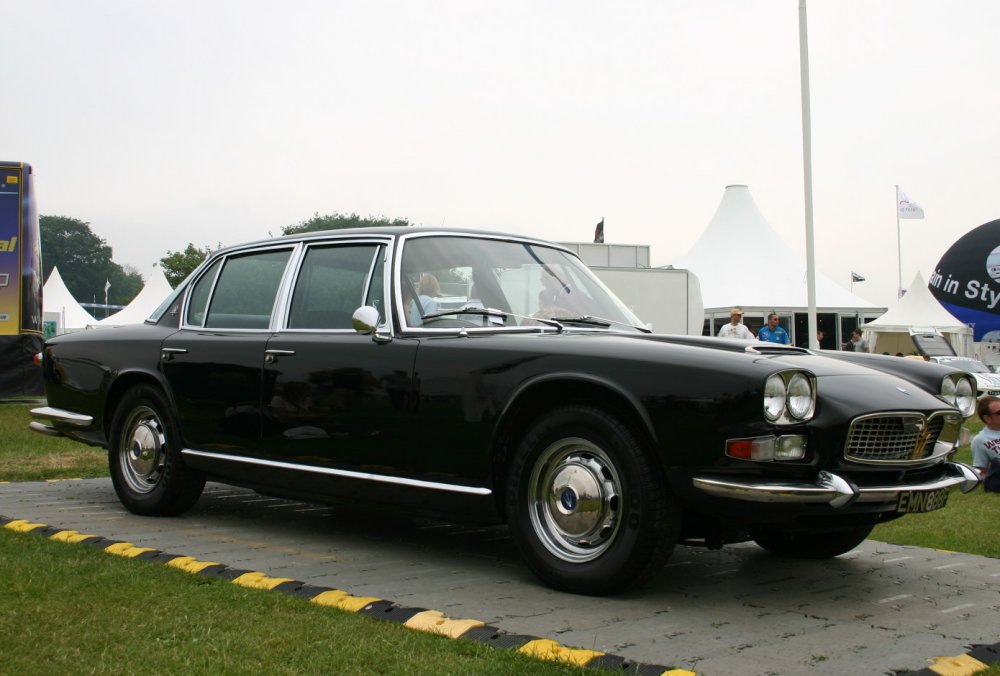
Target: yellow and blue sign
[[20, 252], [20, 283]]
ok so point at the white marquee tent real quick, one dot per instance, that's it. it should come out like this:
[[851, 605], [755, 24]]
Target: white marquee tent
[[741, 260], [917, 309], [154, 292], [58, 303]]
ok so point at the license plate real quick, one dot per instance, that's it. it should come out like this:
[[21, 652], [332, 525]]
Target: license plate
[[911, 502]]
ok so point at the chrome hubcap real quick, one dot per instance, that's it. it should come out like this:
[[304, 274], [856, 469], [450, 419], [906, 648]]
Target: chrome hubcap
[[143, 450], [575, 499]]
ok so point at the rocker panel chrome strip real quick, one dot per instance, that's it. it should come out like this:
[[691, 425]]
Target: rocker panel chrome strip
[[381, 478]]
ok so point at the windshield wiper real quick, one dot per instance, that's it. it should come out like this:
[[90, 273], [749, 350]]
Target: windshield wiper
[[598, 321], [490, 312], [556, 322]]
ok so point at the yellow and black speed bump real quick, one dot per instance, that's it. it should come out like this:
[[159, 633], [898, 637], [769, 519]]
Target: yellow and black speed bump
[[431, 621], [979, 658]]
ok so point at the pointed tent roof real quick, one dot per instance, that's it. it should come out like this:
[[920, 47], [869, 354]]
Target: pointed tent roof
[[918, 308], [57, 298], [725, 255], [154, 292]]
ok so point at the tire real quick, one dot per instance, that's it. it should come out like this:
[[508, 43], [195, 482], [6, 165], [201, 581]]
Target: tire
[[147, 470], [587, 509], [823, 544]]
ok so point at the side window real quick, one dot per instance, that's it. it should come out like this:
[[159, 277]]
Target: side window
[[331, 286], [244, 295], [376, 288], [199, 295]]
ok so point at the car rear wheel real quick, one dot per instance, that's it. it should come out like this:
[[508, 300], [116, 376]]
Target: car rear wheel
[[147, 471], [587, 508], [813, 544]]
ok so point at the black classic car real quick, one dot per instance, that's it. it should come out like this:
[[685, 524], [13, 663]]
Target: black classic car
[[483, 376]]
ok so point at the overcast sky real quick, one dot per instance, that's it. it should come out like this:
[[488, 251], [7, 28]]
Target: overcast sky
[[222, 121]]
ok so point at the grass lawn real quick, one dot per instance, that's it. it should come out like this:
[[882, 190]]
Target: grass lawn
[[966, 524], [68, 609], [30, 456]]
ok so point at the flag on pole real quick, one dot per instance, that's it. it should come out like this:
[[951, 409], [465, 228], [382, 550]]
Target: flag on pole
[[599, 232], [855, 277], [907, 207], [107, 285]]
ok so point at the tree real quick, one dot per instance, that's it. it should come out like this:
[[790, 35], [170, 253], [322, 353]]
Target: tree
[[126, 283], [338, 221], [177, 265], [84, 262]]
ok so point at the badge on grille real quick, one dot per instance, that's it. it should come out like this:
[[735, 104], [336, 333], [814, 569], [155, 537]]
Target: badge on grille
[[923, 435]]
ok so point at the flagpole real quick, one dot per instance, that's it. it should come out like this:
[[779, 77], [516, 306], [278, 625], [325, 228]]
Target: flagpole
[[899, 252], [813, 342]]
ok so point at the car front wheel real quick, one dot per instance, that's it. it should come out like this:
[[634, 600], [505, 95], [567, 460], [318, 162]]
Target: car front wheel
[[587, 508], [823, 544], [147, 471]]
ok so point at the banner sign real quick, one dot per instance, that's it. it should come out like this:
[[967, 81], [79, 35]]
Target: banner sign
[[20, 252], [966, 280], [10, 249]]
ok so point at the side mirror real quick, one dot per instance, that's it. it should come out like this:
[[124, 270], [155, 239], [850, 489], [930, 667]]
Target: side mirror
[[365, 321]]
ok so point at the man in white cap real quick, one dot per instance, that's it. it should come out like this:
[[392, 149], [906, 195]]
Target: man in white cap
[[735, 327]]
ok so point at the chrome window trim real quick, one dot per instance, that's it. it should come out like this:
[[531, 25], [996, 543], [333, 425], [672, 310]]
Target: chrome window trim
[[397, 270], [186, 298], [282, 302], [397, 278], [281, 318], [343, 473], [224, 257]]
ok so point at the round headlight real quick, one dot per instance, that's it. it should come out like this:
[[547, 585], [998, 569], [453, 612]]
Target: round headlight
[[774, 397], [800, 397], [965, 397], [948, 391]]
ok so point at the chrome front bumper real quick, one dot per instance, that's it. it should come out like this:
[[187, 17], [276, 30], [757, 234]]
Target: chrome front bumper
[[831, 488], [46, 416]]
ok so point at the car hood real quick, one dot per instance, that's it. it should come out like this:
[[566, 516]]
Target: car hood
[[990, 380], [724, 358]]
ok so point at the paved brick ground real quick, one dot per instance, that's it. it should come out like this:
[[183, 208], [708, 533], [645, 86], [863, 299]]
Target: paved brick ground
[[879, 609]]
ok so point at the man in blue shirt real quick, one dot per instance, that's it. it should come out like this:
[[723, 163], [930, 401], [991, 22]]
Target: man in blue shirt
[[772, 333]]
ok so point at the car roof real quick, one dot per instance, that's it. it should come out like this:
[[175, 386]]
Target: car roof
[[393, 231]]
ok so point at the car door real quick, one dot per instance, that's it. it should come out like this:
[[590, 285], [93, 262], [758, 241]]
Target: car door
[[332, 397], [214, 362]]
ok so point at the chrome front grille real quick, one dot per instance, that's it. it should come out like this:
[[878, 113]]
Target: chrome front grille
[[900, 438]]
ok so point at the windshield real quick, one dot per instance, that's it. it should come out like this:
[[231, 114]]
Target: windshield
[[530, 280], [932, 344]]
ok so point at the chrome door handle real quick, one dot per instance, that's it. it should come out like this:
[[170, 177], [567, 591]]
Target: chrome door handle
[[271, 356]]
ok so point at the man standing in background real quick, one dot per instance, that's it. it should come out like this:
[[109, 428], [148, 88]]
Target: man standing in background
[[857, 343], [772, 333], [735, 327]]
